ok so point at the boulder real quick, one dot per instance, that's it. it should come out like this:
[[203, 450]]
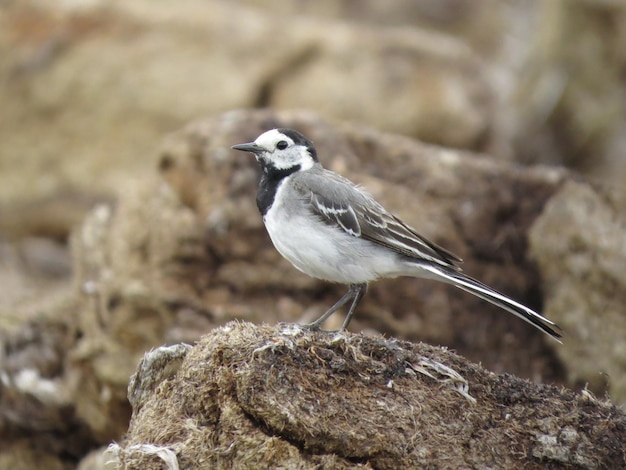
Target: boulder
[[184, 251], [251, 396]]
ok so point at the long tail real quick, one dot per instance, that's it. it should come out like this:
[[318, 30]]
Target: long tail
[[479, 289]]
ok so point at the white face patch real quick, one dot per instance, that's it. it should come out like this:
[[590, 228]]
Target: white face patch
[[282, 157], [269, 139]]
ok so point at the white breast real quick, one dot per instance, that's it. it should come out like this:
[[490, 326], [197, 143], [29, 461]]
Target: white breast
[[324, 251]]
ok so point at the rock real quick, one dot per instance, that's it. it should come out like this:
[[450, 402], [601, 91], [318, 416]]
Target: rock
[[184, 251], [155, 367], [99, 459], [23, 455], [569, 98], [451, 101], [89, 88], [184, 256], [99, 84], [555, 71], [579, 245], [83, 104], [38, 420], [283, 397], [471, 20]]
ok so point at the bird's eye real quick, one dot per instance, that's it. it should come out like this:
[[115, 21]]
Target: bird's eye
[[282, 145]]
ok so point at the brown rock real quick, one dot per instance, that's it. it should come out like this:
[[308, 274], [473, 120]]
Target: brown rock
[[265, 397], [87, 91], [570, 100], [38, 420], [185, 251], [403, 81], [579, 243], [478, 208], [23, 455], [98, 459]]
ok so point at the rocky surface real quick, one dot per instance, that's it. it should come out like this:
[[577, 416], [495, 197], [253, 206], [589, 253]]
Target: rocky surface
[[579, 244], [166, 248], [280, 397], [193, 242], [184, 250], [88, 88], [100, 84]]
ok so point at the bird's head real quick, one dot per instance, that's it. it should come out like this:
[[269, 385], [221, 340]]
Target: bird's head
[[281, 150]]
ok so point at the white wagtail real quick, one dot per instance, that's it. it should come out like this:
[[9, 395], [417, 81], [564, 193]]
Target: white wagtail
[[330, 229]]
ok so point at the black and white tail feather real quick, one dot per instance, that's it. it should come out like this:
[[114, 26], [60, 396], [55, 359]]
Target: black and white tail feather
[[329, 228], [471, 285]]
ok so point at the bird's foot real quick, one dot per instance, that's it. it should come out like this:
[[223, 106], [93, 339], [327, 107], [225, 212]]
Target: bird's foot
[[313, 326], [318, 327]]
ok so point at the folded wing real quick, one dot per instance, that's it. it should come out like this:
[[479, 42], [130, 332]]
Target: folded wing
[[338, 202]]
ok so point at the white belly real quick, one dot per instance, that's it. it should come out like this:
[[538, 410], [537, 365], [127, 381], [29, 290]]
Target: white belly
[[327, 252]]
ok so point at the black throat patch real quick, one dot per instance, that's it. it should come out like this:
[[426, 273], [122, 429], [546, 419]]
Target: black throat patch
[[270, 181]]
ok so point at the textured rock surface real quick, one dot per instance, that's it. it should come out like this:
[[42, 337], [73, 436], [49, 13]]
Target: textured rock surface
[[579, 243], [99, 85], [265, 397], [184, 250], [88, 89], [196, 251]]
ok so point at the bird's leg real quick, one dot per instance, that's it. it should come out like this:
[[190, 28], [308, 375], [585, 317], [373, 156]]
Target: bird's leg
[[355, 291], [360, 290]]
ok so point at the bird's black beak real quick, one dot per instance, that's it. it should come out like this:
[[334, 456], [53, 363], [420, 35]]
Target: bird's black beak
[[249, 147]]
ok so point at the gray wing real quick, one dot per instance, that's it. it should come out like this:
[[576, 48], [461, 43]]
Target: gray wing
[[339, 202]]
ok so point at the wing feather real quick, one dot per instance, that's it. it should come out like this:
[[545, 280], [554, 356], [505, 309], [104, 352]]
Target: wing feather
[[336, 213], [339, 202]]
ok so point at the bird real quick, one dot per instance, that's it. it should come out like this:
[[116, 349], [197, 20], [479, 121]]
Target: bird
[[331, 229]]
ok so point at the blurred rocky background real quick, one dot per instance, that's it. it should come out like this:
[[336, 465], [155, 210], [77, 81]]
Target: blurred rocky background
[[497, 128]]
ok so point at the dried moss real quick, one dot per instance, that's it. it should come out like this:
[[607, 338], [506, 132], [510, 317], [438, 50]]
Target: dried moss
[[281, 397]]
